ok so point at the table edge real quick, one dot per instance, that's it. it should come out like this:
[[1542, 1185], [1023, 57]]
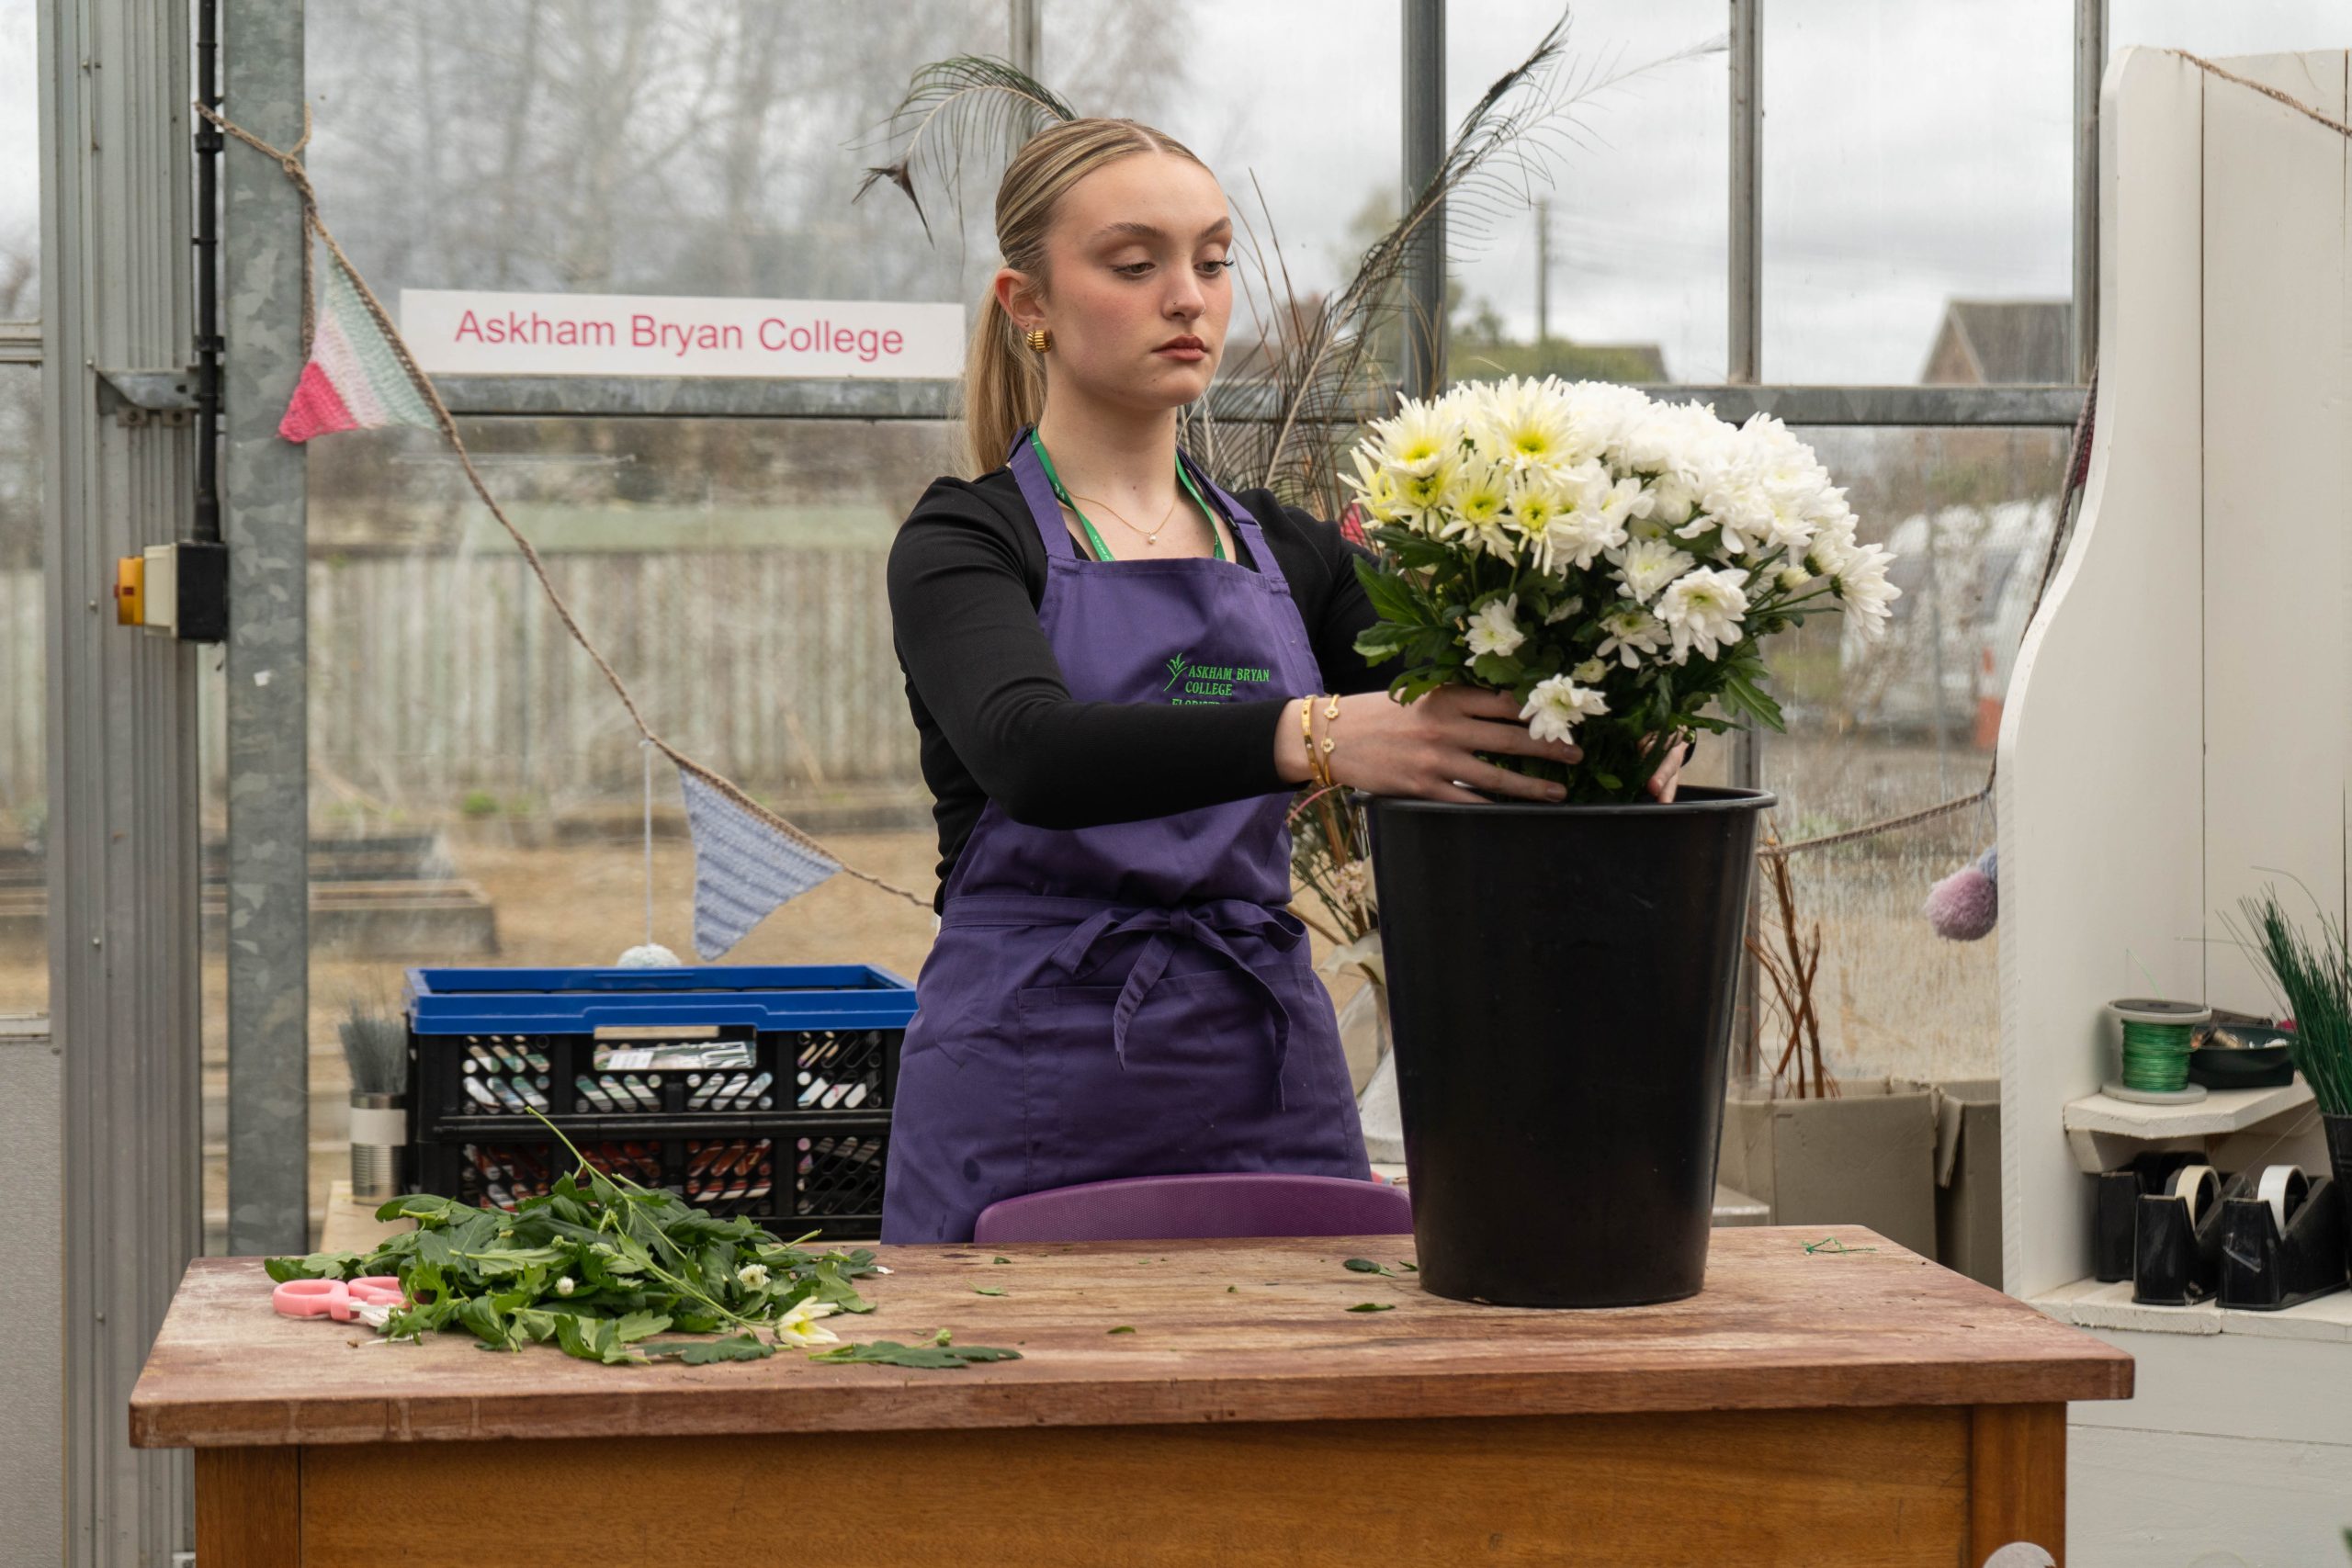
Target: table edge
[[990, 1405]]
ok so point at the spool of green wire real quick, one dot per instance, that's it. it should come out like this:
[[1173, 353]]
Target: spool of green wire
[[2157, 1036], [2155, 1056]]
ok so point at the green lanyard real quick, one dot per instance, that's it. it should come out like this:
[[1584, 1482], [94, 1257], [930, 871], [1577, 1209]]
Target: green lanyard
[[1101, 550]]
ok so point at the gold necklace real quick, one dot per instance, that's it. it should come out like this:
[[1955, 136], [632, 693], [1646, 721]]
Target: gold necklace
[[1151, 537]]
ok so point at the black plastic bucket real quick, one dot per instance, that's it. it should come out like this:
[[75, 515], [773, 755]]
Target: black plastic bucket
[[1560, 991]]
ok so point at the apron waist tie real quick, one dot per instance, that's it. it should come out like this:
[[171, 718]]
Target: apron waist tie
[[1204, 923]]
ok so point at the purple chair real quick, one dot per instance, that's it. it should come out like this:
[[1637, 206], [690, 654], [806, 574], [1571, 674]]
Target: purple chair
[[1167, 1207]]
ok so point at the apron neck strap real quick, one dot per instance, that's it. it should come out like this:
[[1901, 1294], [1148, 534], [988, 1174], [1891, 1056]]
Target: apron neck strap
[[1039, 489], [1045, 507]]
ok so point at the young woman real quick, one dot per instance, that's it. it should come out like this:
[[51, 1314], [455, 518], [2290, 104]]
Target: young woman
[[1117, 669]]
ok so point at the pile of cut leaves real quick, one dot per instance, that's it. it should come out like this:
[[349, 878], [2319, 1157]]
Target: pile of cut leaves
[[600, 1267]]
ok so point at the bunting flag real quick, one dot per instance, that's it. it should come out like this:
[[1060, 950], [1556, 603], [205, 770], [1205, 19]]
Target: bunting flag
[[743, 866], [360, 376], [355, 379]]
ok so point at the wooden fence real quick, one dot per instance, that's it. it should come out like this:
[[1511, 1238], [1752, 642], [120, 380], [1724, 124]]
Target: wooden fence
[[438, 677]]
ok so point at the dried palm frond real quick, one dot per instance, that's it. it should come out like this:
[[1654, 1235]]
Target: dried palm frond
[[1284, 426], [969, 104], [1323, 375]]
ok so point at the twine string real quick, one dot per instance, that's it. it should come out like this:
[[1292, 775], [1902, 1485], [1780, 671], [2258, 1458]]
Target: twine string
[[2078, 459], [2298, 104], [290, 162], [645, 751]]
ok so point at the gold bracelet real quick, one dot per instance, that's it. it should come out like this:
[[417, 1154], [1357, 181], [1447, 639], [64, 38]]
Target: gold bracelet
[[1307, 729], [1330, 715]]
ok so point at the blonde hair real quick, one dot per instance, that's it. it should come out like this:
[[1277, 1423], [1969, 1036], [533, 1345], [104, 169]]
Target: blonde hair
[[1004, 381]]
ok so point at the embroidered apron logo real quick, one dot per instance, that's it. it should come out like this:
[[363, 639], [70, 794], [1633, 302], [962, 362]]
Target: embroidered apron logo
[[1206, 683]]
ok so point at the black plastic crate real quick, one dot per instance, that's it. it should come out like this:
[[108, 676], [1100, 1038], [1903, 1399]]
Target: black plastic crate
[[762, 1092], [825, 1178]]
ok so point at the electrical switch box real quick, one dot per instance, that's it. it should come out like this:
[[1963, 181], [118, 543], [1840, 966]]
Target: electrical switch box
[[178, 589], [131, 591]]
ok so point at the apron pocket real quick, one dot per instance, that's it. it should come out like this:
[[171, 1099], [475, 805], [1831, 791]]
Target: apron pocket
[[1196, 1092]]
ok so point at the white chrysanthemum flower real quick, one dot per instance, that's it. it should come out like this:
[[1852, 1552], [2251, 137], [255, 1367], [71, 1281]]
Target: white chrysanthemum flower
[[1524, 425], [1684, 441], [1594, 522], [1600, 413], [1630, 633], [1739, 504], [798, 1325], [1475, 509], [1830, 510], [1702, 610], [1793, 577], [1647, 566], [1863, 589], [1376, 488], [1592, 673], [1420, 436], [1573, 539], [1669, 501], [1494, 628], [1536, 497], [1556, 704], [1790, 527], [1833, 544], [565, 1286], [753, 1275], [1429, 493]]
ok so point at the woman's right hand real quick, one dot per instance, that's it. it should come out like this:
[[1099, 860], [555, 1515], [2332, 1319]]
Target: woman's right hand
[[1427, 749]]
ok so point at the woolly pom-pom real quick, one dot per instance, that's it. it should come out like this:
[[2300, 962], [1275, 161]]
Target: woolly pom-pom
[[1964, 906], [652, 956]]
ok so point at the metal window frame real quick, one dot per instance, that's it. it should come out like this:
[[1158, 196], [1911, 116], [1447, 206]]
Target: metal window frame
[[122, 765], [1422, 89], [622, 397]]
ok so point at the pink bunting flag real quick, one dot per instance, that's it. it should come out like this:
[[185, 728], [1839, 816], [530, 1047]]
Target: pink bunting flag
[[355, 379]]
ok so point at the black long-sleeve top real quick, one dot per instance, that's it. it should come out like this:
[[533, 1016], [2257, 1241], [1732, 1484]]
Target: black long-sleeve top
[[997, 721]]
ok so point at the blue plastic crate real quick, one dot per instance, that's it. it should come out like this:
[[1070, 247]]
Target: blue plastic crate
[[758, 1090]]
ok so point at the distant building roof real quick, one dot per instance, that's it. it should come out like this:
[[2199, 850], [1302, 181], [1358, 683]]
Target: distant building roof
[[1989, 342]]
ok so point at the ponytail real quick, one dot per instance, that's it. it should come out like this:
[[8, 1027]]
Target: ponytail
[[1004, 381], [1004, 389]]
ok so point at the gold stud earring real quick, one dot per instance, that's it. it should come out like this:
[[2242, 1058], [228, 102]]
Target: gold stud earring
[[1039, 338]]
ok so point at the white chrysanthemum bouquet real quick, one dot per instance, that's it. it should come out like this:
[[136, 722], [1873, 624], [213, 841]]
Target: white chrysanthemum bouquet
[[1610, 561]]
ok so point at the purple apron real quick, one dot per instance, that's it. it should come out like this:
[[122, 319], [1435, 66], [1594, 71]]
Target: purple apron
[[1134, 998]]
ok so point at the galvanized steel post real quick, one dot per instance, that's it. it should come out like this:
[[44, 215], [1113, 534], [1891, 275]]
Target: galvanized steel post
[[263, 502], [1745, 356]]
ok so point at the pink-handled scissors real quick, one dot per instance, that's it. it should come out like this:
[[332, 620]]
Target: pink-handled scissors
[[334, 1298]]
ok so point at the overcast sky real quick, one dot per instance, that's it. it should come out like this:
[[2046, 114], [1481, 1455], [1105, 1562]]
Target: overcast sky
[[1914, 151]]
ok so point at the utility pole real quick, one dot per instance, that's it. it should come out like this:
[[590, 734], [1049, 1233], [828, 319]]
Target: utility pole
[[1542, 284], [1424, 363]]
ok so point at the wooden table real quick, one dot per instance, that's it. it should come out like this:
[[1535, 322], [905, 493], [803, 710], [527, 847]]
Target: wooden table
[[1809, 1407]]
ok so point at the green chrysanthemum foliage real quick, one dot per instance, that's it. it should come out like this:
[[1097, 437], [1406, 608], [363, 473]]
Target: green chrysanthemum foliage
[[597, 1266]]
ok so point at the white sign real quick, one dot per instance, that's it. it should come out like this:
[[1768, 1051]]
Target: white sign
[[474, 333]]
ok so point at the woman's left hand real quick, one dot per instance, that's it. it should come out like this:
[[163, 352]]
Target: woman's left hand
[[1670, 773]]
